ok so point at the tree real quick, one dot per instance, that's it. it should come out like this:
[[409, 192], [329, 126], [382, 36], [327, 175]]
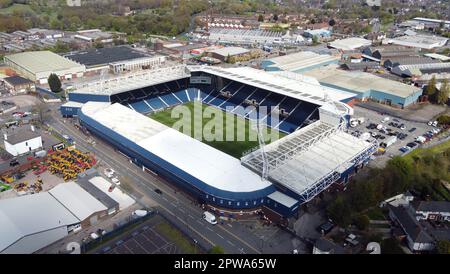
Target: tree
[[217, 249], [362, 222], [261, 18], [41, 112], [54, 83], [443, 247], [443, 92], [332, 22], [431, 87], [275, 17], [340, 212]]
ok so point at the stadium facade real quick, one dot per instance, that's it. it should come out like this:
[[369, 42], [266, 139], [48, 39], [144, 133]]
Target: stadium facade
[[290, 171]]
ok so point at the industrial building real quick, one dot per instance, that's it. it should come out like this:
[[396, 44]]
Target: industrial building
[[244, 36], [225, 52], [349, 44], [38, 65], [34, 221], [299, 62], [17, 84], [384, 52], [421, 73], [408, 60], [115, 59], [418, 41], [31, 222], [367, 86]]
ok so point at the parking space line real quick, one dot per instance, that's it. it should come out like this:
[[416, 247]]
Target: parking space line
[[219, 235], [230, 243]]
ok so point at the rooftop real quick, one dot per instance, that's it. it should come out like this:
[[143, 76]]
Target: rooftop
[[17, 80], [419, 41], [132, 81], [41, 61], [21, 135], [292, 85], [225, 51], [103, 56], [78, 201], [300, 60], [410, 225], [30, 214], [97, 193], [188, 154], [350, 43], [360, 81], [433, 206]]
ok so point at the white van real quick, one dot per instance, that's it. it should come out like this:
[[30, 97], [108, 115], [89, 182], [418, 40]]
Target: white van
[[209, 217]]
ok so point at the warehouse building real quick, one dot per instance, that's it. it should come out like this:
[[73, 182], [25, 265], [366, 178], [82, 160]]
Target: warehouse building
[[80, 203], [418, 41], [38, 65], [349, 44], [408, 60], [244, 36], [32, 222], [384, 52], [226, 52], [367, 86], [17, 84], [115, 59], [299, 62]]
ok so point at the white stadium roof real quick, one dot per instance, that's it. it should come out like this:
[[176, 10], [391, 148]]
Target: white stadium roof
[[302, 159], [188, 154], [77, 200], [132, 81], [296, 88]]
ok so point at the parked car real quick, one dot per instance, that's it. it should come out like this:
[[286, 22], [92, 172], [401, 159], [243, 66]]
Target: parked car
[[157, 190], [14, 162], [109, 172], [116, 181], [405, 149], [412, 129]]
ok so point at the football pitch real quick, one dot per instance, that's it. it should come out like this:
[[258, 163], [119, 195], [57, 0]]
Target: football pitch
[[243, 134]]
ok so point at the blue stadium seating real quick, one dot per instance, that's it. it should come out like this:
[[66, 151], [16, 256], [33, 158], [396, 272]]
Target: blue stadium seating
[[178, 92], [169, 99], [193, 94], [141, 106], [155, 103]]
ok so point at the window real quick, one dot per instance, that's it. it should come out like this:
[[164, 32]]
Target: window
[[246, 203], [221, 201], [238, 203], [26, 143], [214, 199], [254, 202], [229, 203], [207, 196]]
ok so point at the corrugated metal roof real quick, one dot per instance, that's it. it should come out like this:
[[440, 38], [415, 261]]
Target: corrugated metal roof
[[42, 61], [77, 200], [31, 214]]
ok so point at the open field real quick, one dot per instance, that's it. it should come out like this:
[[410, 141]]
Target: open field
[[234, 147]]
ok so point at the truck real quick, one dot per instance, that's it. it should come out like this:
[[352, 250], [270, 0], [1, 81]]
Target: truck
[[40, 154], [390, 141], [209, 217]]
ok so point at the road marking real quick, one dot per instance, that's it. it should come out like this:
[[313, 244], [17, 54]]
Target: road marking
[[209, 229], [190, 216], [229, 225], [230, 243], [182, 210], [219, 235]]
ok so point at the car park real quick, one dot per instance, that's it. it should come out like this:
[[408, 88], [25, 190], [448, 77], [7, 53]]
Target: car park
[[405, 149], [411, 144], [412, 129]]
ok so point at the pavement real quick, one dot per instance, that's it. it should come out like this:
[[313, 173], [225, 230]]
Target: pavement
[[376, 117], [234, 237]]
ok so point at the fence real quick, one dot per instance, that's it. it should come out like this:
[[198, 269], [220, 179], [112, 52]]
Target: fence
[[85, 247]]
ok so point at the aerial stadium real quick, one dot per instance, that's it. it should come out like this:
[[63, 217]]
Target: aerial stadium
[[312, 151]]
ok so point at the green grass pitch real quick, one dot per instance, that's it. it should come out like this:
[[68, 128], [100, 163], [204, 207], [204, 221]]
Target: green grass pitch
[[234, 147]]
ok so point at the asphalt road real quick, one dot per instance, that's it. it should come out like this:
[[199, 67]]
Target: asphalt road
[[233, 237]]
